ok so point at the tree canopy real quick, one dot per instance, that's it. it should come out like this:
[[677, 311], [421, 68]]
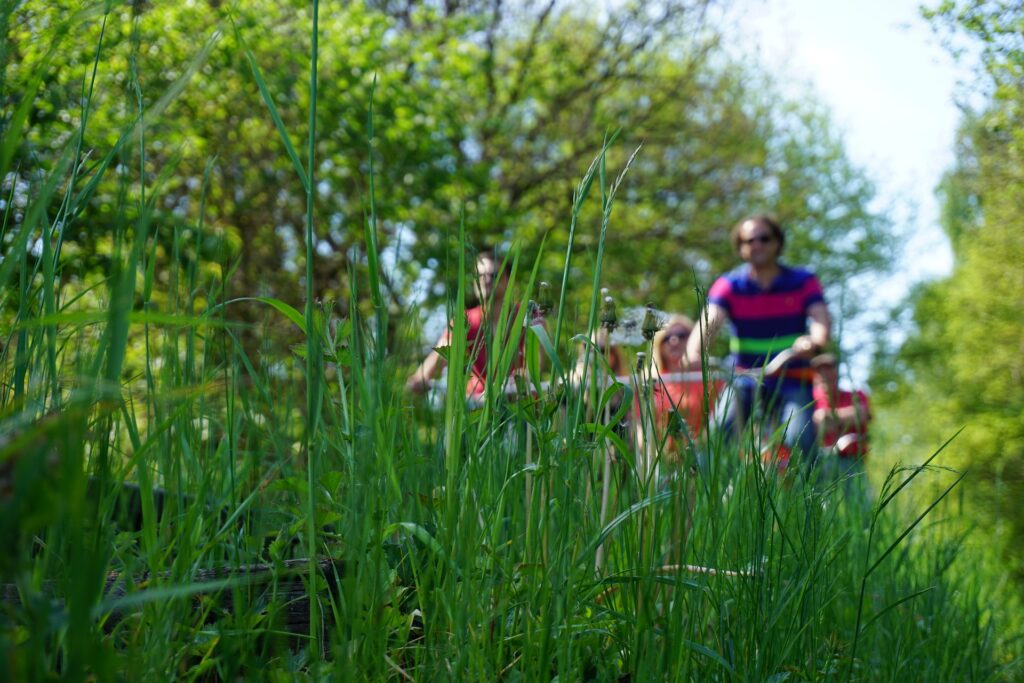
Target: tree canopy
[[486, 113]]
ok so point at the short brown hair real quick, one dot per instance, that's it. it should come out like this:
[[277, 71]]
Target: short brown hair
[[767, 221]]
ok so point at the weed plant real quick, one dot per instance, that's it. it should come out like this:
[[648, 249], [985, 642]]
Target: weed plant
[[177, 507]]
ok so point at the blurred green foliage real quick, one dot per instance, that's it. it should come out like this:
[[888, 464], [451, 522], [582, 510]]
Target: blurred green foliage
[[482, 111], [964, 364], [151, 199]]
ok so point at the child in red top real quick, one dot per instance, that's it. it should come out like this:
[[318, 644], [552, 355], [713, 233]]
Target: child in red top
[[841, 416]]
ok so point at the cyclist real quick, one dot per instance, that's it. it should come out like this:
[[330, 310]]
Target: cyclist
[[771, 308], [481, 331], [841, 416]]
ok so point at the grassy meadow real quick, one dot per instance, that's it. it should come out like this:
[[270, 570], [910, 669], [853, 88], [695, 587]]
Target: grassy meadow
[[184, 497]]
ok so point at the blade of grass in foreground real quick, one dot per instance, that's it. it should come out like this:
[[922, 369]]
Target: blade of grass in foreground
[[314, 361], [869, 570], [268, 99]]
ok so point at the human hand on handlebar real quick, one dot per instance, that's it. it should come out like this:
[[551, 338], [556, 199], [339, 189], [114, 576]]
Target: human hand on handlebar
[[805, 347]]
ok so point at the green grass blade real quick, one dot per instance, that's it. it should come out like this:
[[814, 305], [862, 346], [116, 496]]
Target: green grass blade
[[607, 531], [280, 306], [916, 471], [914, 524], [268, 99], [19, 243], [889, 608], [163, 594]]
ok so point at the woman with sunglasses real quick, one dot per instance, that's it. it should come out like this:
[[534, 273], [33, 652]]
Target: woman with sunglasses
[[677, 396]]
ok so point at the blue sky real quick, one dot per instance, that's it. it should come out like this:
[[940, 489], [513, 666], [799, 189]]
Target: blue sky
[[891, 88]]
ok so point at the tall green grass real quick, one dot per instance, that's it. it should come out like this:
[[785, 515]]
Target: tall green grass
[[464, 540]]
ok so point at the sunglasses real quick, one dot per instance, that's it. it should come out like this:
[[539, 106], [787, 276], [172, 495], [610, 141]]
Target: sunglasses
[[763, 239]]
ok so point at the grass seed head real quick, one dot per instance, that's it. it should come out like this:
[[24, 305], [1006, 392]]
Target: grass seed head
[[609, 318], [651, 324]]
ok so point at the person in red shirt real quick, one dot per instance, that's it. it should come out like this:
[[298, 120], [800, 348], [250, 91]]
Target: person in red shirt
[[481, 321], [841, 416]]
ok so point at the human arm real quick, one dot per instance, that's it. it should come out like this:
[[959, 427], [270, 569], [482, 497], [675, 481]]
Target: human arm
[[847, 418], [430, 368], [819, 331], [700, 339]]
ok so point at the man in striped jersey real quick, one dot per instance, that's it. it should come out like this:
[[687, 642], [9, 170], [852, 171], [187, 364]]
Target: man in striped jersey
[[770, 308]]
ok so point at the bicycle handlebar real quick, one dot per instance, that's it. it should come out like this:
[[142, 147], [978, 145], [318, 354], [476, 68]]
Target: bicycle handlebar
[[511, 389]]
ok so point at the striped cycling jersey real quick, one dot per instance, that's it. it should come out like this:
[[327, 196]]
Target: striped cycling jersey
[[765, 322]]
